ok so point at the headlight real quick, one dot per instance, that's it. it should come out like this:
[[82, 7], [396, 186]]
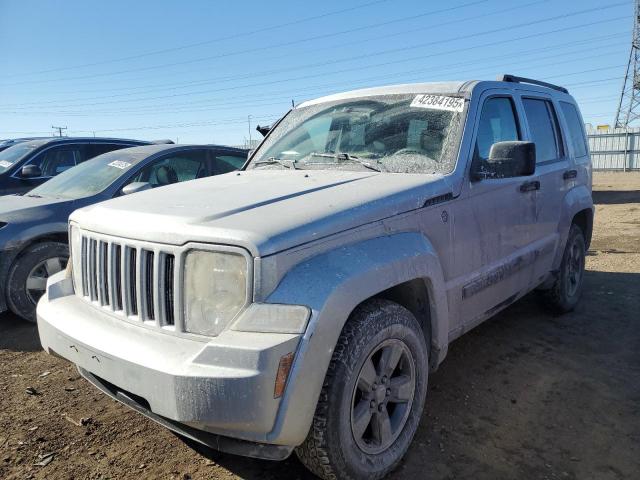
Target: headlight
[[215, 290]]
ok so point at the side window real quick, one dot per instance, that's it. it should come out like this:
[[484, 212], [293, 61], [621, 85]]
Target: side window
[[173, 168], [56, 160], [545, 132], [498, 123], [95, 149], [576, 133], [228, 163]]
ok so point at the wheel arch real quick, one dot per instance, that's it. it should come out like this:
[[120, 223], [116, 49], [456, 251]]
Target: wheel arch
[[577, 207], [402, 267]]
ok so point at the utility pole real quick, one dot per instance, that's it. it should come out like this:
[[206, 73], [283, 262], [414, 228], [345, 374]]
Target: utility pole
[[629, 106], [59, 129]]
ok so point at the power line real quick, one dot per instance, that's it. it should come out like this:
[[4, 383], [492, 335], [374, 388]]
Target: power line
[[251, 50], [440, 68], [304, 77], [206, 42], [481, 60], [174, 85]]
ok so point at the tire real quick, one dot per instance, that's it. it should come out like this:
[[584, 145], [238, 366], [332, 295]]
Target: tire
[[334, 447], [565, 292], [31, 269]]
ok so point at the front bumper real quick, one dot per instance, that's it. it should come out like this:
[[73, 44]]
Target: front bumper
[[204, 388]]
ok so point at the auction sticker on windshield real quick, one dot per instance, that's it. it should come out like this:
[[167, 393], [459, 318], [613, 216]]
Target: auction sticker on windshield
[[120, 164], [439, 102], [5, 164]]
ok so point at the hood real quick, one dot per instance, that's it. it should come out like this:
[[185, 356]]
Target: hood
[[264, 211], [22, 209]]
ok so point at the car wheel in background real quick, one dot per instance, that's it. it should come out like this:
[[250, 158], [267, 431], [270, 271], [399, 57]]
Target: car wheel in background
[[28, 276], [372, 397]]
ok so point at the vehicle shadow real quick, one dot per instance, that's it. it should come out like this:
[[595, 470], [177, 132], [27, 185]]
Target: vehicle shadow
[[18, 335], [483, 391], [612, 197]]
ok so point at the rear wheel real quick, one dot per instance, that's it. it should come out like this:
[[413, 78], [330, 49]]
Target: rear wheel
[[372, 397], [563, 296], [27, 280]]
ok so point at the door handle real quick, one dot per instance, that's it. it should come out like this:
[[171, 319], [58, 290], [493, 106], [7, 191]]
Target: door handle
[[530, 186], [569, 174]]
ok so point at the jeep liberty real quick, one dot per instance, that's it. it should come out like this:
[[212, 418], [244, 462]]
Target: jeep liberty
[[301, 303]]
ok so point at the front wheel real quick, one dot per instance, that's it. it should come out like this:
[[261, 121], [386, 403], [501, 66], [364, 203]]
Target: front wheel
[[563, 296], [27, 279], [372, 397]]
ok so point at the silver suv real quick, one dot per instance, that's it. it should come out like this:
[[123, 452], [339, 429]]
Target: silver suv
[[301, 303]]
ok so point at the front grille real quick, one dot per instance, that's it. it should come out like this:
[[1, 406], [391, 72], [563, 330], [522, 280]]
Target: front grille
[[135, 281]]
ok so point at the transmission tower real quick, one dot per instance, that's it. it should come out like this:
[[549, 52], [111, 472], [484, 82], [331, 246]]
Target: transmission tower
[[629, 106]]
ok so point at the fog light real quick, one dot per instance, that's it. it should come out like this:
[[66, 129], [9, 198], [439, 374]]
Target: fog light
[[283, 373]]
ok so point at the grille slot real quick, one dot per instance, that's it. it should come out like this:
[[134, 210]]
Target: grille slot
[[169, 291], [85, 273], [133, 276], [103, 269], [93, 290], [117, 277], [149, 257]]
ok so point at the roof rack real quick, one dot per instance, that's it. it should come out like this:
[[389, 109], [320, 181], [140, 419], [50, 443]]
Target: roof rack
[[516, 79]]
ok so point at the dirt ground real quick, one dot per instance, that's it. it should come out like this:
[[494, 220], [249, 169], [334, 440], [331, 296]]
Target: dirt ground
[[526, 395]]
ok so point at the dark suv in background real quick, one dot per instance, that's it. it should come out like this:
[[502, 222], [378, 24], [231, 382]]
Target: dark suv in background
[[27, 164]]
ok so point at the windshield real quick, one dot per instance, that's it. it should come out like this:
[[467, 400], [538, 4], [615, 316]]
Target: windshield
[[10, 156], [405, 133], [88, 178]]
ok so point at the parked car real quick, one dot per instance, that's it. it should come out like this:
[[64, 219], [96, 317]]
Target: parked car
[[27, 164], [304, 306], [33, 227]]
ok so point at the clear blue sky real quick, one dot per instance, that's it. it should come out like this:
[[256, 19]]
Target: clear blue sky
[[195, 70]]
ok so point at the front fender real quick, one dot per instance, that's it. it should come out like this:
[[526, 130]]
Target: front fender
[[332, 284]]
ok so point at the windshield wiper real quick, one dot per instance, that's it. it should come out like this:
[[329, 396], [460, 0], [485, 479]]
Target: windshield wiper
[[277, 161], [32, 196], [345, 157]]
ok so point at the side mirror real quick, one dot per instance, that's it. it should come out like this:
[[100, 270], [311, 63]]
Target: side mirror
[[263, 129], [136, 187], [30, 171], [508, 159]]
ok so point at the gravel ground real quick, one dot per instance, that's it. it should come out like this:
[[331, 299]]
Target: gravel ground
[[525, 395]]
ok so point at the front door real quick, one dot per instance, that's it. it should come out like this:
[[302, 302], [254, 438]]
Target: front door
[[493, 223]]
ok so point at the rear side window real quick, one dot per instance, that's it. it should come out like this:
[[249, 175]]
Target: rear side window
[[174, 168], [544, 128], [228, 163], [95, 149], [576, 133], [497, 124]]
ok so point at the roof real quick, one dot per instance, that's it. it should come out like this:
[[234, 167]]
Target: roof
[[38, 142], [431, 87], [504, 81]]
